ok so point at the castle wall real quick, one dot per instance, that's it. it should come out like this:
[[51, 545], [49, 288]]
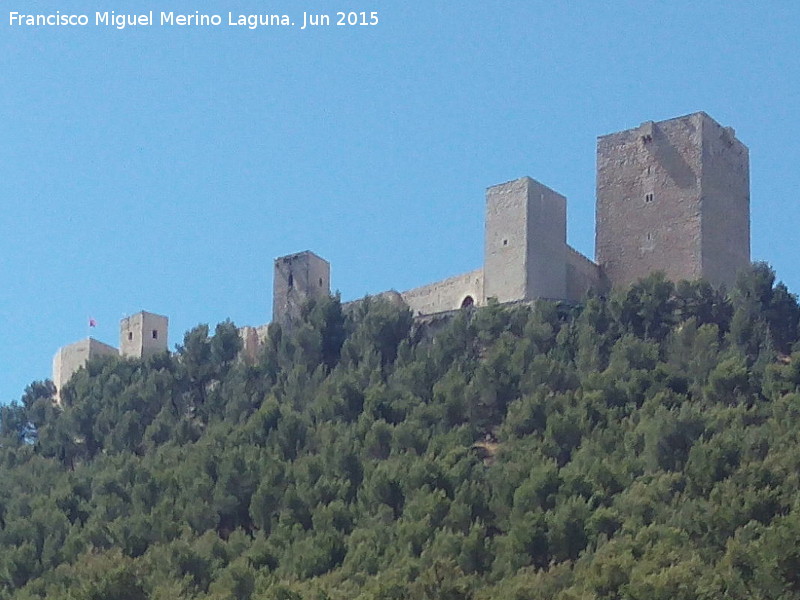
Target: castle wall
[[725, 204], [448, 294], [253, 339], [69, 359], [525, 242], [582, 275], [143, 334]]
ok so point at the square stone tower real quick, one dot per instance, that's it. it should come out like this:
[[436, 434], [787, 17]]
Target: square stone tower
[[526, 242], [142, 335], [298, 277], [71, 358], [673, 196]]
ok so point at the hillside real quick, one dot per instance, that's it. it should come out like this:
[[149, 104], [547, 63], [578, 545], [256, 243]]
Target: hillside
[[644, 446]]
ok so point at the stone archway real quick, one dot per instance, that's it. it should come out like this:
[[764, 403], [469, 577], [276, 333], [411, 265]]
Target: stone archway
[[468, 302]]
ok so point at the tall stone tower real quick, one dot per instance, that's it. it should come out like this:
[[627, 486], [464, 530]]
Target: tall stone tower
[[298, 277], [526, 242], [142, 335], [673, 196]]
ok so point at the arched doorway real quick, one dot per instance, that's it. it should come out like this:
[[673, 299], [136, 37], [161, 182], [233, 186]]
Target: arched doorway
[[468, 302]]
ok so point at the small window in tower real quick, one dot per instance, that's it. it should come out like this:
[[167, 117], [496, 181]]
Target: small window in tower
[[505, 242], [648, 170], [155, 334], [648, 197], [130, 336], [320, 282], [291, 281], [649, 237]]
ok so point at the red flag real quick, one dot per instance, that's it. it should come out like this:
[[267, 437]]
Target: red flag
[[92, 322]]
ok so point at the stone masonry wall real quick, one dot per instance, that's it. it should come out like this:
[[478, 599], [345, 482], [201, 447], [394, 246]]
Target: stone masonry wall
[[71, 358], [648, 200], [448, 294], [505, 244], [525, 242], [297, 278], [253, 339], [143, 334], [582, 275], [725, 204]]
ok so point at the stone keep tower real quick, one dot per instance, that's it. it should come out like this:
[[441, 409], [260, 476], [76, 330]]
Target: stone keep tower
[[142, 335], [525, 248], [298, 277], [673, 196]]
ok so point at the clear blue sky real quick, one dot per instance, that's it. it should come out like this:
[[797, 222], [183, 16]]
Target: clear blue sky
[[164, 169]]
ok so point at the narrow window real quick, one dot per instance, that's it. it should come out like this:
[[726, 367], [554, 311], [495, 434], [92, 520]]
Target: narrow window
[[155, 334], [649, 237], [320, 282], [505, 242], [648, 198], [130, 336], [291, 281]]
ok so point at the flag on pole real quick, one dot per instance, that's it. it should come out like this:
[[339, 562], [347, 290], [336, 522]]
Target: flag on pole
[[92, 322]]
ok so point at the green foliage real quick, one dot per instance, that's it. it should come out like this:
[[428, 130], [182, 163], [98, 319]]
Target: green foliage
[[637, 446]]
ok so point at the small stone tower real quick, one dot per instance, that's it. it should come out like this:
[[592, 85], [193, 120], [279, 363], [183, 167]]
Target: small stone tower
[[526, 242], [142, 335], [673, 196], [298, 277], [71, 358]]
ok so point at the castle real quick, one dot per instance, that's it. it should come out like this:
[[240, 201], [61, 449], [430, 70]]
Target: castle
[[672, 196], [140, 335]]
